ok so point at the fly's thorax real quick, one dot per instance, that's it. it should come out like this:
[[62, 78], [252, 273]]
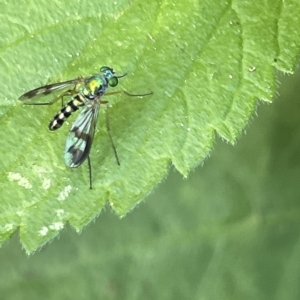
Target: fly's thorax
[[94, 86]]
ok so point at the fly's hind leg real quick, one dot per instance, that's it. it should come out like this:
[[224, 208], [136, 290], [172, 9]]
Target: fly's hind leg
[[67, 93], [90, 172], [109, 133]]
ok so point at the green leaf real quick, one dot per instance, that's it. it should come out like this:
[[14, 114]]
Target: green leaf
[[207, 64]]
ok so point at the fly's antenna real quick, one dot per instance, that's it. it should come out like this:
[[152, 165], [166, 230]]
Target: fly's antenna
[[120, 76]]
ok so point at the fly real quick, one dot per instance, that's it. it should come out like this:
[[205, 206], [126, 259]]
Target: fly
[[87, 94]]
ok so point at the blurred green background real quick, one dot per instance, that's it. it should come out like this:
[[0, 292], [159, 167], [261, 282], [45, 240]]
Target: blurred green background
[[230, 231]]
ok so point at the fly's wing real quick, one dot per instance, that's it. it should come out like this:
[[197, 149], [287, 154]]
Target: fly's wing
[[81, 135], [45, 90]]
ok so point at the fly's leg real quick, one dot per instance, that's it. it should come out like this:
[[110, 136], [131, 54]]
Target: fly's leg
[[90, 172], [109, 134], [107, 117], [128, 94], [67, 93]]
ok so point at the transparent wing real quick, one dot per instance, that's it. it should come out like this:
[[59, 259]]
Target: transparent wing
[[50, 88], [81, 135]]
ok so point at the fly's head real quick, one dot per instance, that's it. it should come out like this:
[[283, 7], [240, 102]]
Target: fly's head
[[110, 76]]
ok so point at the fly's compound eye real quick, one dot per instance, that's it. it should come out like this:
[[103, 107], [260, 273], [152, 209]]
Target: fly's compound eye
[[113, 81]]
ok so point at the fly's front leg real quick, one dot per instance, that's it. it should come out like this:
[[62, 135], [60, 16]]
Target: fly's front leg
[[128, 94]]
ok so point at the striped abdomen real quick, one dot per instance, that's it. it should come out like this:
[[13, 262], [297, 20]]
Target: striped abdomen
[[66, 111]]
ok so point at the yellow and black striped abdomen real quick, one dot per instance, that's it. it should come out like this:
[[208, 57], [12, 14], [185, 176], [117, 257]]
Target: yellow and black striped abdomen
[[66, 111]]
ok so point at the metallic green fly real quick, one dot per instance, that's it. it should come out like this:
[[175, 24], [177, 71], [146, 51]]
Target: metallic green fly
[[86, 91]]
